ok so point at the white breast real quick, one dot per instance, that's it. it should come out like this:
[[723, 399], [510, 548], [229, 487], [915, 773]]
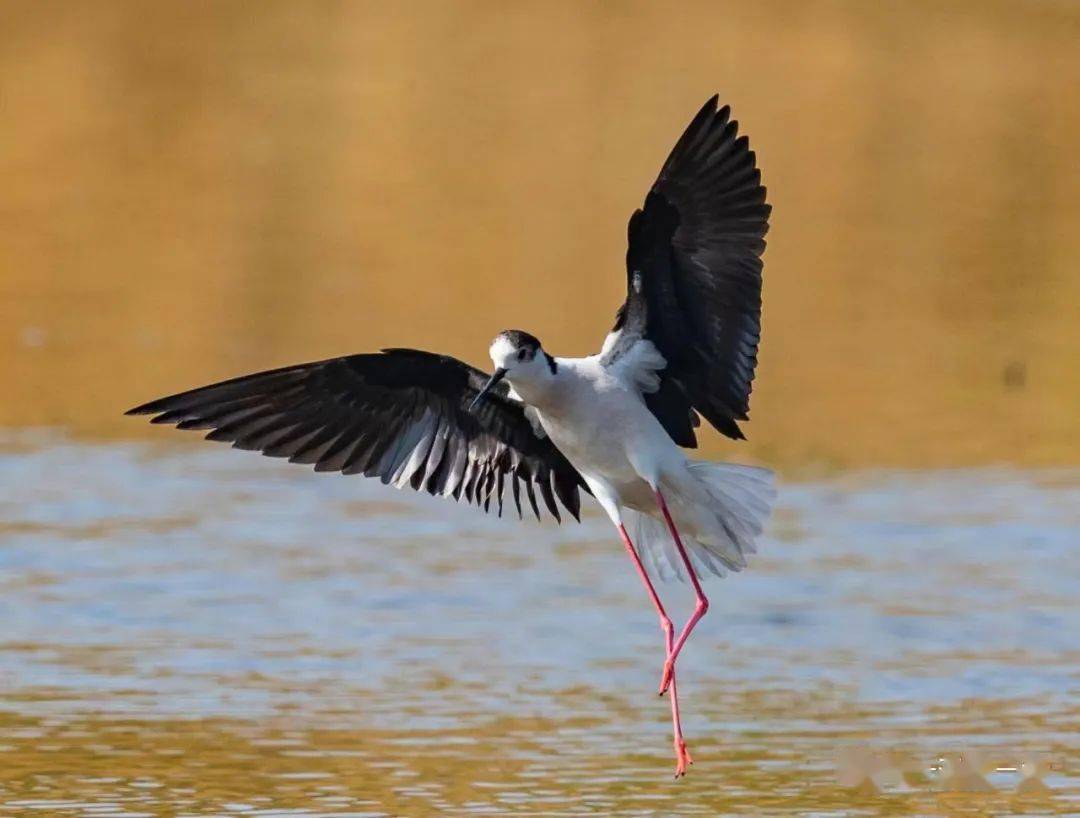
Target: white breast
[[600, 422]]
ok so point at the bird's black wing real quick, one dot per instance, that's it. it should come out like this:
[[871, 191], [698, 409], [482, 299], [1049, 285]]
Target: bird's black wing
[[400, 415], [694, 277]]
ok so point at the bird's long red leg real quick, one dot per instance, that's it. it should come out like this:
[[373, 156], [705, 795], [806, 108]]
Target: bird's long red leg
[[682, 757], [701, 607]]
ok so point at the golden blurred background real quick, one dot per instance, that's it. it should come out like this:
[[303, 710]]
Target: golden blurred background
[[192, 191]]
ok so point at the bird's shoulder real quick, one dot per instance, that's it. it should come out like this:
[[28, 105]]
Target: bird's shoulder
[[582, 376], [637, 366]]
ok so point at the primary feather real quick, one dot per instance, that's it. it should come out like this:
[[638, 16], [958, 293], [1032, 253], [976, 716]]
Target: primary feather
[[400, 415], [693, 267]]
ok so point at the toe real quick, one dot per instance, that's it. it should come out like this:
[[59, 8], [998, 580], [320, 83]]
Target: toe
[[665, 678]]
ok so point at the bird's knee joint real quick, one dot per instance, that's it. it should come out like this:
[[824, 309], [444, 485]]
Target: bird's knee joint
[[702, 606]]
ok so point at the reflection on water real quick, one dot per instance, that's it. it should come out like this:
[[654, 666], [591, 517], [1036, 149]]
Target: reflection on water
[[206, 632], [191, 191], [203, 191]]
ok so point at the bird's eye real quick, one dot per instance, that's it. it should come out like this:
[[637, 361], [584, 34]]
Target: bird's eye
[[521, 354]]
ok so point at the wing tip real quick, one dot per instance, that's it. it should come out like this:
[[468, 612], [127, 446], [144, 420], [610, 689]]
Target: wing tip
[[149, 408]]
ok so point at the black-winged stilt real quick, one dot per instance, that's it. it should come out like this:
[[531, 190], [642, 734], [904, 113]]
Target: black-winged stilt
[[613, 424]]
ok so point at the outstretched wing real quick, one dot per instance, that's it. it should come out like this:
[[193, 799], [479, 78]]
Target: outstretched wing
[[694, 278], [400, 415]]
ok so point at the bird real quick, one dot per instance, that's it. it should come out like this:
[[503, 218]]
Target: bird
[[616, 425]]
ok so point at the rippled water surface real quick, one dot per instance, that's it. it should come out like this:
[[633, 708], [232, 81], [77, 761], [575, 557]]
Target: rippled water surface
[[197, 631], [192, 191]]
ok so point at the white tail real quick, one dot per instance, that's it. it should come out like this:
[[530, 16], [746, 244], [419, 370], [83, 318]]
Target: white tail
[[720, 510]]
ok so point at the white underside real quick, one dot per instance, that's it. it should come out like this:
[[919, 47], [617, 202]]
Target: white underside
[[720, 510], [597, 417]]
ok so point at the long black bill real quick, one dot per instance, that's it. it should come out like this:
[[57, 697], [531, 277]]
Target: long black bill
[[494, 379]]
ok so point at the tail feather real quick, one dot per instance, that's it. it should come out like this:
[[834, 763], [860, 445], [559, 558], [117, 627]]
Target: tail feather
[[720, 510], [656, 549]]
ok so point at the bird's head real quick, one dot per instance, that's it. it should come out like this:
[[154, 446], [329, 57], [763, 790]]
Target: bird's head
[[520, 359]]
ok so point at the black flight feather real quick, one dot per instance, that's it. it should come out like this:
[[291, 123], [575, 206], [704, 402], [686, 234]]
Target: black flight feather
[[384, 415], [693, 265]]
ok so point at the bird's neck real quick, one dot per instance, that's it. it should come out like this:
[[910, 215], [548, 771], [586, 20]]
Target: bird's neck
[[538, 388]]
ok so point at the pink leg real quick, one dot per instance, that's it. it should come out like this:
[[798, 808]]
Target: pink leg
[[682, 757], [700, 608]]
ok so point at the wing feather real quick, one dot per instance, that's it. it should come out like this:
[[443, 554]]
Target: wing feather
[[694, 277], [401, 416]]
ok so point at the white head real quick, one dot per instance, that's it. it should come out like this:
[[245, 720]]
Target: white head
[[519, 358]]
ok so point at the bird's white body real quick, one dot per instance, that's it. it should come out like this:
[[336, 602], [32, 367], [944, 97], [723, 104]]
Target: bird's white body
[[597, 416], [604, 428]]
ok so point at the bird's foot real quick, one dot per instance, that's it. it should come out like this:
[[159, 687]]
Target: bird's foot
[[666, 678], [682, 758]]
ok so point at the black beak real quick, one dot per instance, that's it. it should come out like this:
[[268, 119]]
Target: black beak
[[494, 379]]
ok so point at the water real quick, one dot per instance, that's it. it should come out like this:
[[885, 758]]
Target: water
[[195, 191], [199, 631]]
